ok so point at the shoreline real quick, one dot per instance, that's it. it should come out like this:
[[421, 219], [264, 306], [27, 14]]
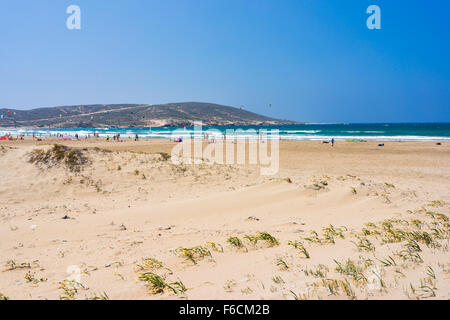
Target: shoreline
[[84, 134]]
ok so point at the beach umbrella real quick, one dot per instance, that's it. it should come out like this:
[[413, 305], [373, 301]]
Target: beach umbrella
[[8, 112], [2, 116]]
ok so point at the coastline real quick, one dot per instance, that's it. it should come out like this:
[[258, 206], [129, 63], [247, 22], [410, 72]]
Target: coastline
[[438, 132]]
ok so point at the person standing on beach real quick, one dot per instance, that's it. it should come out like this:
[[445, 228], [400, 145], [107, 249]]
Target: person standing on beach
[[332, 142]]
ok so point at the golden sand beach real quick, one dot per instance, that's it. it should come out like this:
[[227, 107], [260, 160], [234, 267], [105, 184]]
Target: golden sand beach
[[354, 221]]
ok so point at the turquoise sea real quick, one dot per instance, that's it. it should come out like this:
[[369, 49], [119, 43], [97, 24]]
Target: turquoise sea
[[378, 132]]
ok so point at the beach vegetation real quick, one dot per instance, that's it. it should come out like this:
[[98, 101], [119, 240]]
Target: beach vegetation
[[236, 242], [388, 262], [157, 284], [320, 271], [282, 264], [351, 269], [13, 265], [3, 297], [193, 254], [149, 264], [215, 246], [299, 246], [364, 244], [164, 156], [69, 289], [74, 159], [278, 280], [29, 276], [102, 296], [271, 240]]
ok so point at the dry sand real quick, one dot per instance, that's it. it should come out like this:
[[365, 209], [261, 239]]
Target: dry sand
[[128, 203]]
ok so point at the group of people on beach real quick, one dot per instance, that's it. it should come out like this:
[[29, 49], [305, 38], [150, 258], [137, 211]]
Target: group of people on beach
[[9, 137], [116, 137]]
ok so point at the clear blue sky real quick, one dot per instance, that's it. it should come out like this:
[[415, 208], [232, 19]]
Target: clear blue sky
[[314, 60]]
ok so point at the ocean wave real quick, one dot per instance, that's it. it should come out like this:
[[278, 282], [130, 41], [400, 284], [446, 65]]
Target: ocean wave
[[368, 138], [301, 131]]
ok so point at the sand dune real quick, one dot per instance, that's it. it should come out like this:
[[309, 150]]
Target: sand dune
[[129, 203]]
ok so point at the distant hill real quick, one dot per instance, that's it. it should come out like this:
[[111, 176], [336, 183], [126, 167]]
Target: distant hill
[[134, 115]]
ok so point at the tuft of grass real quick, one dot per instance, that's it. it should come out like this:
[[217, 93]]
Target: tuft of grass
[[332, 285], [102, 296], [193, 254], [298, 245], [389, 262], [282, 264], [336, 286], [430, 272], [29, 276], [69, 288], [149, 264], [252, 239], [214, 246], [264, 236], [229, 284], [347, 288], [364, 244], [164, 156], [436, 203], [236, 242], [13, 265], [74, 159], [157, 284], [320, 271], [350, 268], [314, 237], [278, 280], [330, 233]]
